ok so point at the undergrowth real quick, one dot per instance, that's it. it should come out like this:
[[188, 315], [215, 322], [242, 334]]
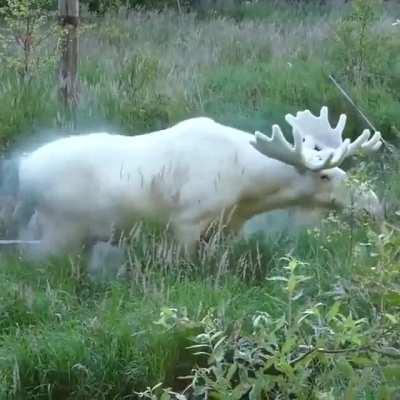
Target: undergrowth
[[313, 315]]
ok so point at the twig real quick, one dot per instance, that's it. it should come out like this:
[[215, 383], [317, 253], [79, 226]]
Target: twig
[[392, 226], [344, 351], [349, 99], [386, 353], [7, 242], [364, 117]]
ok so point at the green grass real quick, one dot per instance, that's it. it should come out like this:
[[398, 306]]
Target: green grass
[[147, 70], [65, 336]]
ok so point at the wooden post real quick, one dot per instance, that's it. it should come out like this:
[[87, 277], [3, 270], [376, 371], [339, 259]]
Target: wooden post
[[68, 68]]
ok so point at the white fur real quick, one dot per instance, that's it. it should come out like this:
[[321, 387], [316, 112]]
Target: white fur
[[188, 175]]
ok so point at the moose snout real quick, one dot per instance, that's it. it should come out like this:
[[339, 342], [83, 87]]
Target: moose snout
[[363, 200]]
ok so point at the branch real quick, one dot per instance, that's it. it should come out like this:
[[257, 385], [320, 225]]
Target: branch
[[394, 354]]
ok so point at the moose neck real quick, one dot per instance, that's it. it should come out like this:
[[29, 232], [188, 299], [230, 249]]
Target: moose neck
[[273, 185]]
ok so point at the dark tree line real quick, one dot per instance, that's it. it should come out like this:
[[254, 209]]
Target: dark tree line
[[202, 6]]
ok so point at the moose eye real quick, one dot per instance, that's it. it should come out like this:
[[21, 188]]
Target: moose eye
[[324, 177], [317, 148]]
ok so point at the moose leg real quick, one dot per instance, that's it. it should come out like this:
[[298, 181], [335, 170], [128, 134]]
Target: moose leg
[[105, 261], [188, 234], [56, 234]]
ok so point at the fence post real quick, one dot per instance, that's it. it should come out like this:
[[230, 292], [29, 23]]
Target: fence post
[[68, 67]]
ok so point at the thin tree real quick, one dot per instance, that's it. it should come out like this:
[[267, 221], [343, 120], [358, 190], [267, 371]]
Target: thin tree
[[68, 67]]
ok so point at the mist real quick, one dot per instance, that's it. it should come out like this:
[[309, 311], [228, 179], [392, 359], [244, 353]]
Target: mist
[[291, 220]]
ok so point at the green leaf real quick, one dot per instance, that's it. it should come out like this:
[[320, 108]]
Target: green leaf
[[362, 362], [325, 395], [277, 278], [231, 371], [351, 391], [288, 345], [219, 343], [165, 396], [256, 391], [384, 393], [292, 284], [240, 390], [392, 297], [393, 319], [344, 367], [392, 373], [333, 311]]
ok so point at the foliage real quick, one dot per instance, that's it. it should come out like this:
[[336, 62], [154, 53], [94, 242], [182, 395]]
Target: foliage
[[28, 53], [366, 59], [26, 35], [359, 44], [100, 7], [322, 323], [295, 355]]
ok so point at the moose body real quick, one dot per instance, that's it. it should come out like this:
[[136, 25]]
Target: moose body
[[188, 176]]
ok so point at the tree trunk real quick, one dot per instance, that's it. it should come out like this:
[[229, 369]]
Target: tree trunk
[[68, 68]]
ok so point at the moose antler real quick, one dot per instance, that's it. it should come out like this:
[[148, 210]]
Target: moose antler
[[279, 148], [321, 130]]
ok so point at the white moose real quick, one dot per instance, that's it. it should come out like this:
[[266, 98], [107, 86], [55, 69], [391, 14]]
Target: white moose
[[188, 176]]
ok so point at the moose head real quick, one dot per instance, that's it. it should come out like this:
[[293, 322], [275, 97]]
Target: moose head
[[320, 148]]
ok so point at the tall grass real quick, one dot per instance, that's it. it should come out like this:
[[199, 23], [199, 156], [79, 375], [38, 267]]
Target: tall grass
[[144, 70], [65, 336]]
